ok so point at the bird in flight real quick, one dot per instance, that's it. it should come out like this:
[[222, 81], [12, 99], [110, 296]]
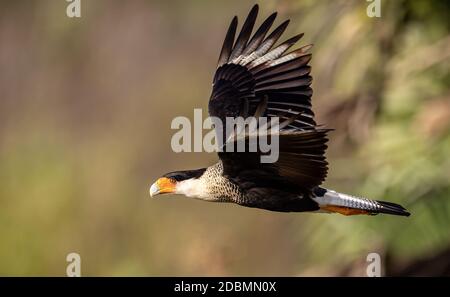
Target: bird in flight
[[256, 78]]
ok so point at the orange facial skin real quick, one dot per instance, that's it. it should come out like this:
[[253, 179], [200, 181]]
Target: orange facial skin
[[165, 185]]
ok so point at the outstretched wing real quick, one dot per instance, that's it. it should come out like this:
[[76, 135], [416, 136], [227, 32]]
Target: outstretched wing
[[251, 70], [254, 78]]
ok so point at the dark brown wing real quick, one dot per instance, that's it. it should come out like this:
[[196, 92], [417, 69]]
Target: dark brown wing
[[301, 163], [250, 70], [255, 78]]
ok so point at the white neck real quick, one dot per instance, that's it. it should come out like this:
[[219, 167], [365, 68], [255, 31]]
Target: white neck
[[194, 187]]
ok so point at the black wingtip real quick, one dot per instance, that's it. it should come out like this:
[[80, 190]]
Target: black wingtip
[[393, 209], [228, 42], [245, 33], [253, 12], [295, 38], [273, 15]]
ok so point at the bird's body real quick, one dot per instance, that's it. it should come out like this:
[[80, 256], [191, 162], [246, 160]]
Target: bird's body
[[213, 186], [255, 79]]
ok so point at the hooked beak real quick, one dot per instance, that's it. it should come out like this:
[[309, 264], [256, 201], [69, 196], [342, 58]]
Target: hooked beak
[[154, 190], [163, 185]]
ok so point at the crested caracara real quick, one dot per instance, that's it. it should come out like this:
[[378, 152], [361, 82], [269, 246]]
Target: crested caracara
[[256, 78]]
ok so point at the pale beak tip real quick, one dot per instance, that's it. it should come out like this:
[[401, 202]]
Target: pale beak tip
[[154, 190]]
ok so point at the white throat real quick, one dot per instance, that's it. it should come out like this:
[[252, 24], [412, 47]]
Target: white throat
[[194, 187]]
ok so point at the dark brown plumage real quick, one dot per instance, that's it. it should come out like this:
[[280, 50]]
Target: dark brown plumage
[[256, 78]]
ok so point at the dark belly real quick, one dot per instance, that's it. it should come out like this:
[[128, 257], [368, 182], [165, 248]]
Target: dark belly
[[276, 200]]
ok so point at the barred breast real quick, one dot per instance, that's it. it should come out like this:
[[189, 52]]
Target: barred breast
[[219, 187]]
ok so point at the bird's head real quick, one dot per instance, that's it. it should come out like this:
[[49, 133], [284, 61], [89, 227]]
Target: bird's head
[[177, 182]]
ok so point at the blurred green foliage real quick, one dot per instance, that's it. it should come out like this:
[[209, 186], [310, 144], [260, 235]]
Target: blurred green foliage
[[85, 113]]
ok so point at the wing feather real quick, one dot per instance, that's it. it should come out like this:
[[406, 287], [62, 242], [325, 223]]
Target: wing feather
[[255, 78], [227, 46], [246, 31]]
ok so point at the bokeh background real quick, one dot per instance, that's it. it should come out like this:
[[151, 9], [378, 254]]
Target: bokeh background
[[85, 112]]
